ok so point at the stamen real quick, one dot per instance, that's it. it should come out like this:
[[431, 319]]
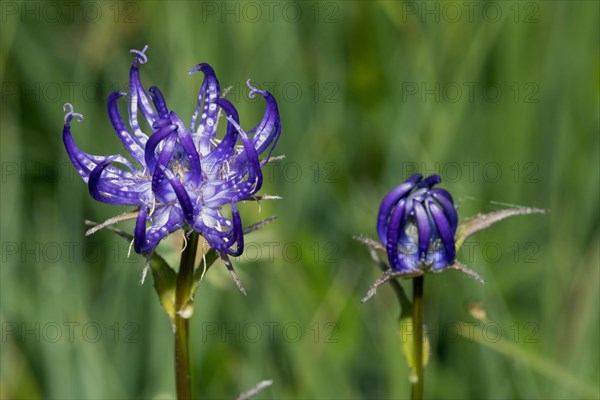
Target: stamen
[[141, 56], [70, 114]]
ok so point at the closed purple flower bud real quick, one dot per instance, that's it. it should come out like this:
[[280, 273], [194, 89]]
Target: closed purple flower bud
[[417, 224], [178, 176]]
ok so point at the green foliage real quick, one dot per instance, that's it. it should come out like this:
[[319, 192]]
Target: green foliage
[[505, 109]]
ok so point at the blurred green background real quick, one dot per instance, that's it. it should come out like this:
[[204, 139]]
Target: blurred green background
[[500, 98]]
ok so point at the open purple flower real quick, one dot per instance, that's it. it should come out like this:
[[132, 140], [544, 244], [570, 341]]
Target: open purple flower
[[417, 224], [179, 176]]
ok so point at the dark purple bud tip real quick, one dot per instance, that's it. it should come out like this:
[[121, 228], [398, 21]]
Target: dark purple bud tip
[[417, 225]]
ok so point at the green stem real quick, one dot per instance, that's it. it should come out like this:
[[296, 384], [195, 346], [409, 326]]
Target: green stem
[[182, 296], [417, 387]]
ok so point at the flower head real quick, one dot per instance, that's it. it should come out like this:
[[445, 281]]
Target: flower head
[[179, 175], [417, 224]]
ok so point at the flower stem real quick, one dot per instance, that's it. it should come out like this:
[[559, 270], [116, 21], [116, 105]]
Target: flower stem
[[417, 387], [182, 297]]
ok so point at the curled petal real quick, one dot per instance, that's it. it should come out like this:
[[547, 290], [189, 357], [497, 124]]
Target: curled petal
[[254, 172], [226, 148], [163, 160], [445, 201], [236, 235], [75, 154], [131, 144], [182, 196], [209, 92], [85, 163], [140, 243], [232, 190], [397, 262], [268, 130], [238, 231], [163, 222], [437, 192], [159, 102], [390, 201], [149, 152], [107, 193], [140, 136], [190, 149], [423, 228], [210, 222], [139, 97], [444, 230], [430, 181]]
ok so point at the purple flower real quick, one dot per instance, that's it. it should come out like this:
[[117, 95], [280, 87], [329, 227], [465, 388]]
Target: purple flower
[[417, 224], [179, 177]]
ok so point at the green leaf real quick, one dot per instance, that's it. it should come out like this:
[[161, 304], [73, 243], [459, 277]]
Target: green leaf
[[165, 283]]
